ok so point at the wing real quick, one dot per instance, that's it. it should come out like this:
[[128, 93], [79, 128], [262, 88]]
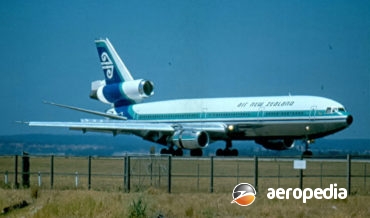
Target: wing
[[107, 126], [147, 130], [153, 131]]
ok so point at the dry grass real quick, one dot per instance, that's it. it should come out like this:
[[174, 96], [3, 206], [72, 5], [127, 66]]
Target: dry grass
[[77, 203], [190, 188]]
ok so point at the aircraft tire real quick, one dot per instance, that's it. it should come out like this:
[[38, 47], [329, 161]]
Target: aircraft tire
[[227, 152], [220, 152], [164, 151], [178, 152], [234, 152], [307, 154]]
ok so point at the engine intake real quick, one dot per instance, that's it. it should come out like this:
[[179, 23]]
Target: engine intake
[[190, 139], [277, 144], [146, 88]]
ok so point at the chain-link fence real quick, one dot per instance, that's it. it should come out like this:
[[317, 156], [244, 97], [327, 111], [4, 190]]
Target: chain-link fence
[[172, 174]]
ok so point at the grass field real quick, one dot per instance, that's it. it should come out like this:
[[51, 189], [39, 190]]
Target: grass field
[[155, 203], [190, 187]]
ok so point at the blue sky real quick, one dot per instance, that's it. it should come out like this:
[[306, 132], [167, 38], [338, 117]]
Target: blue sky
[[190, 49]]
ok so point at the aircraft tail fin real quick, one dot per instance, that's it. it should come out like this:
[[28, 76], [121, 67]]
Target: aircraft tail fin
[[113, 67]]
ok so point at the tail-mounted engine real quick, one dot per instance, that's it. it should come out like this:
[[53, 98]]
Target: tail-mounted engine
[[278, 144], [123, 93], [190, 139]]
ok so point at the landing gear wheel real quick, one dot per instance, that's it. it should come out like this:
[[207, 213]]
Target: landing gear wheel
[[307, 154], [164, 151], [171, 151], [196, 152], [227, 151], [178, 152], [234, 152], [220, 152]]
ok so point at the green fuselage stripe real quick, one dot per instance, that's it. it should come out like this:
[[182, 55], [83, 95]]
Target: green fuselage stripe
[[236, 115]]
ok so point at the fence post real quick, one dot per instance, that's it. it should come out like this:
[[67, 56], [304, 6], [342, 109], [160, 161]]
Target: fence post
[[52, 171], [6, 177], [25, 170], [211, 183], [151, 171], [76, 180], [301, 176], [124, 172], [279, 175], [237, 173], [16, 172], [39, 179], [169, 173], [256, 173], [349, 174], [127, 172], [198, 177], [365, 176], [301, 179], [89, 174], [321, 175], [159, 175]]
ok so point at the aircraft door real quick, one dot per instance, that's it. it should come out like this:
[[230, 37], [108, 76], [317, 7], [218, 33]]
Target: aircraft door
[[261, 113], [313, 112], [204, 112]]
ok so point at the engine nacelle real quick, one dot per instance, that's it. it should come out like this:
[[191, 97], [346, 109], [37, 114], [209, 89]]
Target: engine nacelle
[[190, 139], [123, 93], [277, 144]]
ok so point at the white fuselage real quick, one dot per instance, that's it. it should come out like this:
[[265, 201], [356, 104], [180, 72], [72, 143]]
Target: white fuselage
[[249, 117]]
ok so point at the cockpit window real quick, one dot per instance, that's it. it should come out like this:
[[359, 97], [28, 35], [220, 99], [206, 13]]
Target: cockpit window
[[330, 110]]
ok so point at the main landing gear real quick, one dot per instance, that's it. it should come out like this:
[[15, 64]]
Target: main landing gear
[[178, 152], [227, 151], [196, 152], [172, 151], [307, 152]]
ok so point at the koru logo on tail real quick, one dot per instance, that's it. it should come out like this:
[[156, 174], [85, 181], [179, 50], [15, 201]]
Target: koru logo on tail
[[107, 65]]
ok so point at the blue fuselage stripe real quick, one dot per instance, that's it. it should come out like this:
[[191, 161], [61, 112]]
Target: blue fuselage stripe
[[292, 115]]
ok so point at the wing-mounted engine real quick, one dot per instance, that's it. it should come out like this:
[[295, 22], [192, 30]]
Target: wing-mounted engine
[[190, 139], [276, 144], [123, 93]]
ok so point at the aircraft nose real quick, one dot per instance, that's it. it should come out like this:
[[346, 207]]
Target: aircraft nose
[[349, 120]]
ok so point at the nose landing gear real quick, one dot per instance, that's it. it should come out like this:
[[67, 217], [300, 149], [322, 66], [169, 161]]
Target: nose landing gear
[[307, 153]]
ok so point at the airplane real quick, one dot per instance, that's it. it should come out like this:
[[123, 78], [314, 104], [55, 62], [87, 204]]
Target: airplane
[[274, 122]]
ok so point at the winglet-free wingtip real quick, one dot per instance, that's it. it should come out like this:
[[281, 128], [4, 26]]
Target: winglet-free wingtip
[[48, 102], [22, 122]]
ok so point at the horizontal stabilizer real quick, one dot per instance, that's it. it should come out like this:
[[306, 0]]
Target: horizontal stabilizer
[[111, 116]]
